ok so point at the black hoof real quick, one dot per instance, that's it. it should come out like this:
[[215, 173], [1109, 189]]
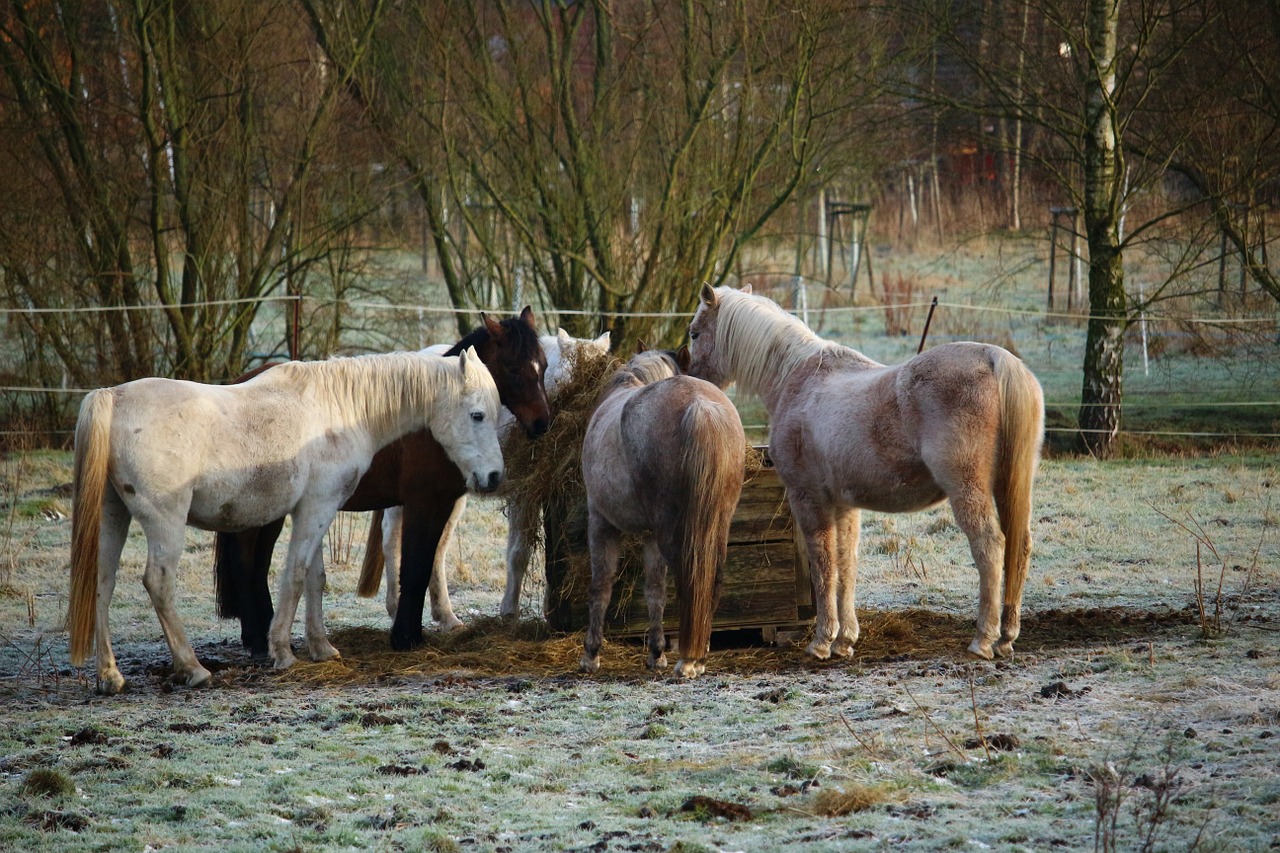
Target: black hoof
[[403, 641]]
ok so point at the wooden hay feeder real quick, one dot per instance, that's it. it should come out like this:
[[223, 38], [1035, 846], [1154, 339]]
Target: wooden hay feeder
[[766, 576]]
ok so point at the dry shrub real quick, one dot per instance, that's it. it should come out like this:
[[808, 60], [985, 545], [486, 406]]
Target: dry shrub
[[856, 797]]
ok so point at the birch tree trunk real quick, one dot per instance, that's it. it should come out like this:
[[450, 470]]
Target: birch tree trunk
[[1102, 391]]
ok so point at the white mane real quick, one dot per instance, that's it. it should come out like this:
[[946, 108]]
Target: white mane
[[383, 385], [758, 343]]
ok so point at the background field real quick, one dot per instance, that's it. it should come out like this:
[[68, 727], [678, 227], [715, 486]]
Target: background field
[[1130, 695]]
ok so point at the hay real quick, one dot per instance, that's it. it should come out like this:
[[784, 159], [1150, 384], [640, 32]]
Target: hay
[[549, 469], [544, 478]]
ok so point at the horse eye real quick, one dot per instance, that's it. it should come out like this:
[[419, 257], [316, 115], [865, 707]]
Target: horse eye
[[693, 336], [477, 416]]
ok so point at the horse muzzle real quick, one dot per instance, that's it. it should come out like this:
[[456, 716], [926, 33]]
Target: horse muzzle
[[485, 484]]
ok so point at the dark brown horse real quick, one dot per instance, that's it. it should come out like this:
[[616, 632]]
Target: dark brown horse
[[413, 472]]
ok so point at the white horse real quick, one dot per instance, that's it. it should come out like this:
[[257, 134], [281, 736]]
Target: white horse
[[562, 350], [294, 440], [962, 422]]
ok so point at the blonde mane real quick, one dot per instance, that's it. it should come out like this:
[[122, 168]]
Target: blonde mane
[[654, 367], [414, 383], [760, 344]]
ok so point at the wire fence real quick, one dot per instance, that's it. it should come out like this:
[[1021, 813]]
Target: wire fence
[[1184, 362]]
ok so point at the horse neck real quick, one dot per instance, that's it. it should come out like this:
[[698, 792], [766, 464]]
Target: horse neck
[[387, 395], [764, 348]]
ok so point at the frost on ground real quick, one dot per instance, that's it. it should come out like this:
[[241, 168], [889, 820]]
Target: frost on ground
[[1142, 708]]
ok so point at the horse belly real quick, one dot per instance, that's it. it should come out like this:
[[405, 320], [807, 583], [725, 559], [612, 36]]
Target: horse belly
[[243, 500], [890, 495]]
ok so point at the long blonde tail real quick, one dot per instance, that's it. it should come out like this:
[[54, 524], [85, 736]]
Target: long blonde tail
[[371, 568], [713, 467], [1021, 436], [89, 483]]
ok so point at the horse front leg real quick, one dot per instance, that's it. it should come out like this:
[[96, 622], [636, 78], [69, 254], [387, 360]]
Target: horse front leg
[[655, 596], [419, 540], [441, 606], [603, 539], [819, 529], [318, 646], [308, 535], [848, 530], [165, 542], [518, 552]]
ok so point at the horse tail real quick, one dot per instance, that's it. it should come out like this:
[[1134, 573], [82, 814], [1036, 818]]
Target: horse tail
[[1021, 436], [226, 560], [89, 484], [371, 568], [710, 484]]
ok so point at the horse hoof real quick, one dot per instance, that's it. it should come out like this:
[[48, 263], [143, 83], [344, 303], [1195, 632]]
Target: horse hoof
[[589, 664], [111, 683], [660, 662], [980, 651], [324, 653], [1004, 648], [451, 624], [407, 641], [842, 648], [199, 677], [284, 661], [819, 651], [690, 669]]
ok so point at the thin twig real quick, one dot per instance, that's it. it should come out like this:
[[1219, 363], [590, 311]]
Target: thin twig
[[977, 723], [928, 720]]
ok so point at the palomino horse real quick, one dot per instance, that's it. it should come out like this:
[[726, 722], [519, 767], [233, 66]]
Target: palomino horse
[[962, 422], [662, 456], [294, 440], [383, 549], [414, 472]]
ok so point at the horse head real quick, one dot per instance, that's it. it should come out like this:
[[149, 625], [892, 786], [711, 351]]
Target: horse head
[[562, 348], [467, 429], [515, 357], [706, 362]]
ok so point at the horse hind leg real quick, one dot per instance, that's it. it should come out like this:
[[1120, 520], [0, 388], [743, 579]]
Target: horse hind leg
[[603, 541], [818, 528], [441, 606], [111, 539], [975, 515], [518, 553], [165, 542], [392, 530], [655, 596], [848, 530]]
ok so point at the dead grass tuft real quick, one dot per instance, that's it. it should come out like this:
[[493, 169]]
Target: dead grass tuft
[[856, 797]]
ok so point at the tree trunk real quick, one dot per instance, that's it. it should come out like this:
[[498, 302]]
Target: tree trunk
[[1102, 391]]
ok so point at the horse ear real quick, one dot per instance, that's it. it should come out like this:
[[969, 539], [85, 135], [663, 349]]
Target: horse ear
[[683, 358], [641, 346], [563, 336], [746, 288], [529, 319], [603, 340], [495, 328], [708, 295]]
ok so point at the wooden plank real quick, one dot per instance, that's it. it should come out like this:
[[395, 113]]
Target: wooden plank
[[766, 577]]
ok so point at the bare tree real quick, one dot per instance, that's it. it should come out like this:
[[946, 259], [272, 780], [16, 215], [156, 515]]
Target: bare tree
[[181, 161], [609, 155]]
